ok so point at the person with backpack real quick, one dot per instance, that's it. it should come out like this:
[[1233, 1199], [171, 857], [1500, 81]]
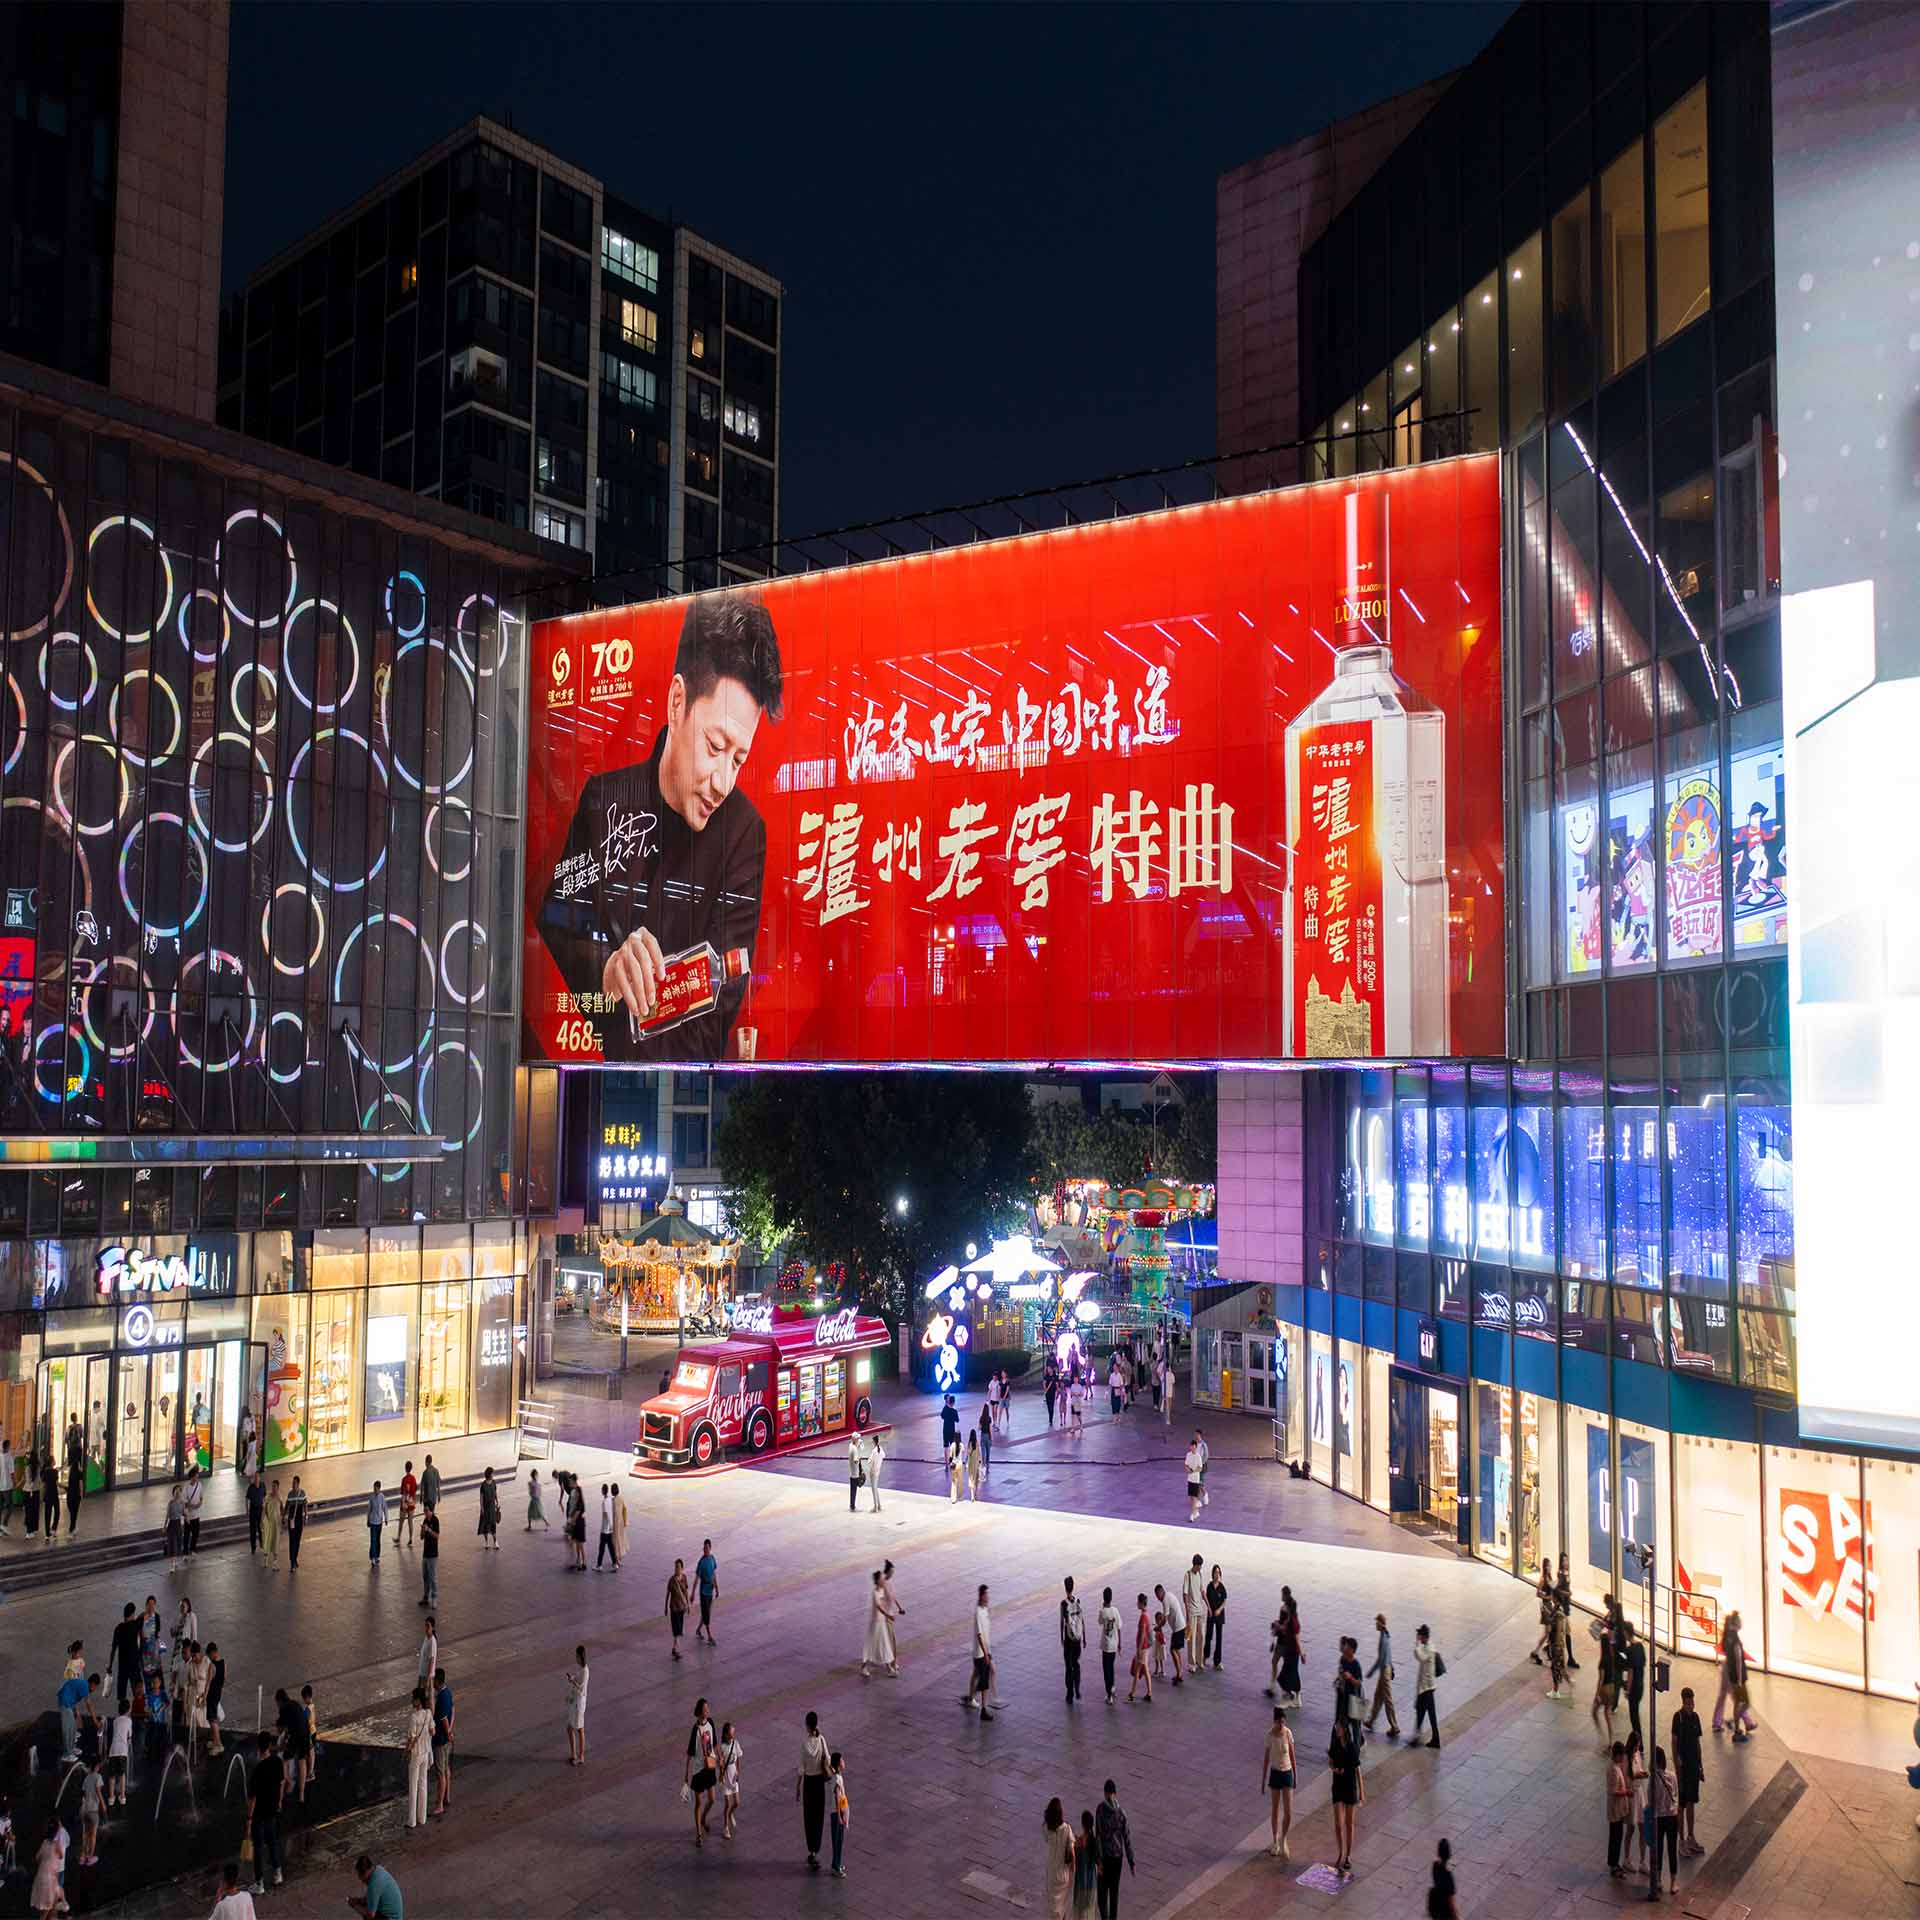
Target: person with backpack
[[1073, 1637], [1429, 1665], [1108, 1621], [1114, 1844]]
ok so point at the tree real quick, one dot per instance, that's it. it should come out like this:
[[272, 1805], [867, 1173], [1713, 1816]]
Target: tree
[[1193, 1153], [1072, 1144], [833, 1154]]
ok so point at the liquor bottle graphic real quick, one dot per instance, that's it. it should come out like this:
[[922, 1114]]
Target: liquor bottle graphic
[[1366, 918], [690, 986]]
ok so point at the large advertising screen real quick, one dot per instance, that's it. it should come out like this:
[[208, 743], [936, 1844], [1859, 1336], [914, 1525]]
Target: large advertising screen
[[1215, 784]]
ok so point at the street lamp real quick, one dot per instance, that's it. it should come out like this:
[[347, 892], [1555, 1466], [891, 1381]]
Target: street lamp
[[971, 1250], [900, 1205]]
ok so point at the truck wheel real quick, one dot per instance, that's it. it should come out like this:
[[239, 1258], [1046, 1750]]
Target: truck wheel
[[759, 1433], [863, 1412], [706, 1443]]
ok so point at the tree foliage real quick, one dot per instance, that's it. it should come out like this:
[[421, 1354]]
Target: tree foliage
[[1122, 1146], [830, 1154]]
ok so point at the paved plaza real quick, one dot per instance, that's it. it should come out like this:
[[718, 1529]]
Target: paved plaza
[[1812, 1817]]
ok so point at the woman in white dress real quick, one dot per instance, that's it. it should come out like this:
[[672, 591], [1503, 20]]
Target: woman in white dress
[[577, 1709], [879, 1648], [1059, 1840], [894, 1612]]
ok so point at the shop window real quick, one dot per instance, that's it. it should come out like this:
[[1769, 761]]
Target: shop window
[[1717, 1554], [1819, 1565], [1682, 276], [1373, 1116], [280, 1324], [1701, 1335], [1537, 1515], [1450, 1290], [1376, 443], [1749, 493], [1480, 332], [1579, 888], [1378, 1476], [1492, 1308], [1697, 1186], [1571, 334], [1379, 1275], [1349, 1271], [1413, 1283], [493, 1351], [1493, 1505], [1630, 882], [1583, 1154], [1692, 835], [1893, 1565], [1626, 557], [391, 1354], [1763, 1192], [1634, 1143], [333, 1400], [444, 1336], [1757, 818], [1410, 1157], [1526, 399], [1531, 574], [1347, 1388], [1452, 1201], [1683, 530], [1530, 1154], [1574, 602], [1346, 428], [1320, 1406], [1623, 262], [1766, 1351]]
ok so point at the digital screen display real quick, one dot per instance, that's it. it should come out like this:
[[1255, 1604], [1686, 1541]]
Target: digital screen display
[[1207, 784]]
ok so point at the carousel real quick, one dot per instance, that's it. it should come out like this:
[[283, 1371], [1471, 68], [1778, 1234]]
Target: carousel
[[666, 1274]]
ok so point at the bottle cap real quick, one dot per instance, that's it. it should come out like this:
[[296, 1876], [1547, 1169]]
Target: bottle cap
[[734, 966]]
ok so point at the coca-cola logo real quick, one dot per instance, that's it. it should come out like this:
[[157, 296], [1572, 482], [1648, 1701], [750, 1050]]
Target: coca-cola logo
[[730, 1409], [835, 1329], [1527, 1311]]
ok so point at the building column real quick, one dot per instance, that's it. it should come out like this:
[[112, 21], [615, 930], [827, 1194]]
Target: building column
[[1261, 1178]]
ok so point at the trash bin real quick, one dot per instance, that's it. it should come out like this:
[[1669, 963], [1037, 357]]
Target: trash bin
[[1226, 1387]]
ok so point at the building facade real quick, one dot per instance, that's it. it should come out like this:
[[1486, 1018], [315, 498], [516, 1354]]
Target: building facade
[[1547, 1304]]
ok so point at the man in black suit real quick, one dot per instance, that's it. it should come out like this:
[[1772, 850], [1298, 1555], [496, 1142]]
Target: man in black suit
[[667, 853]]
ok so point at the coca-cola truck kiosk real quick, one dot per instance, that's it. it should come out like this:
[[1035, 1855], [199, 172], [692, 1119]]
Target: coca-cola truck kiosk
[[772, 1384]]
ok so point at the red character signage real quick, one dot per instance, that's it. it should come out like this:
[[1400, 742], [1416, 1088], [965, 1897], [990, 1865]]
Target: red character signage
[[1035, 800]]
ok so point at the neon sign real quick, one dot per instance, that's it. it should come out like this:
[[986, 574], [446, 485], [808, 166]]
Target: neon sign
[[123, 1270], [836, 1329], [750, 1316]]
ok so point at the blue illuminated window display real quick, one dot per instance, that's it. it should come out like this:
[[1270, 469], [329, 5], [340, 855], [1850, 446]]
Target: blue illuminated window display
[[1452, 1202], [1763, 1202], [1410, 1169], [1583, 1187], [1530, 1156], [1697, 1173], [1636, 1193], [1374, 1141]]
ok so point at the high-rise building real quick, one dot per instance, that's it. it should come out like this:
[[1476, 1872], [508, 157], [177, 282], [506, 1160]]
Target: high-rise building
[[494, 326]]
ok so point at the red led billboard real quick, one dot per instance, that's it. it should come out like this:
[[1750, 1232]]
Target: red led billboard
[[1031, 801]]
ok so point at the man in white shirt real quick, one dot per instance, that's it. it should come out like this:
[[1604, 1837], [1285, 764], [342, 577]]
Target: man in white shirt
[[606, 1531], [980, 1685], [1108, 1621], [429, 1655], [1194, 1598], [1073, 1636], [1176, 1626], [1206, 1454], [1192, 1463], [235, 1903]]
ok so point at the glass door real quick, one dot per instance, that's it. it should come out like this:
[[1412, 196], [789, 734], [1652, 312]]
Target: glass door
[[202, 1385], [130, 1421], [164, 1411], [99, 1397]]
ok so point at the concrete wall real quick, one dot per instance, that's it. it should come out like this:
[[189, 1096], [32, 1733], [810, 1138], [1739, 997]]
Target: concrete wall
[[1266, 214], [172, 186], [1261, 1178]]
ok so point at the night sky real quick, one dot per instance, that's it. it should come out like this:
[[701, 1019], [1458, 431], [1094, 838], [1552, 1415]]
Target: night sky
[[994, 224]]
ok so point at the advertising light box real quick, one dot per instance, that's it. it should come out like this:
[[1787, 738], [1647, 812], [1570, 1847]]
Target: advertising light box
[[1216, 784]]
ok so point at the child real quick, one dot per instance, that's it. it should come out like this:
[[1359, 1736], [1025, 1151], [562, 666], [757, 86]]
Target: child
[[731, 1754], [119, 1750], [1159, 1645], [313, 1732], [92, 1792], [837, 1800]]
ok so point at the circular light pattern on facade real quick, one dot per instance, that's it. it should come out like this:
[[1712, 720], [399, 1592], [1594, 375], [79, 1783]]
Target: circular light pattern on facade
[[131, 637], [188, 601], [76, 860], [200, 788], [423, 961], [199, 866], [371, 1121], [250, 722], [319, 929], [478, 944], [265, 619], [316, 607], [192, 1059], [430, 1065], [420, 587], [433, 859], [69, 810], [471, 604], [20, 733], [67, 1079], [386, 725], [138, 984], [66, 544], [93, 670], [299, 1026], [312, 865], [153, 681]]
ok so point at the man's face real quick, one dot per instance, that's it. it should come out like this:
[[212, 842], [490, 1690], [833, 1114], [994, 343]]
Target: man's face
[[708, 741]]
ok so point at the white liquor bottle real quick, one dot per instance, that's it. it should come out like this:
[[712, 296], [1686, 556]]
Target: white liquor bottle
[[1366, 904]]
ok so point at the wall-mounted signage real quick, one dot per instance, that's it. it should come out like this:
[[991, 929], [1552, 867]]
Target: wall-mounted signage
[[119, 1271], [140, 1326], [1428, 1335]]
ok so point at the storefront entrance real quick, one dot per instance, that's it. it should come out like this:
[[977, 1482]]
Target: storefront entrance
[[1424, 1485], [150, 1416]]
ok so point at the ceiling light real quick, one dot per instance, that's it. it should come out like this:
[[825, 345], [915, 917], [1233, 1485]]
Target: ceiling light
[[1486, 299]]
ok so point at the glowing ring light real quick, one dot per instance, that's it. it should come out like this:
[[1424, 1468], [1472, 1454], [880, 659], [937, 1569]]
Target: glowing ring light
[[103, 977], [226, 625], [93, 668], [86, 1059], [20, 734], [387, 1170], [446, 979], [451, 801], [419, 587], [286, 657], [460, 635], [128, 521], [245, 724], [69, 749], [386, 727], [293, 831], [194, 795], [156, 819], [28, 802], [253, 1016], [299, 1026], [66, 540], [266, 922], [426, 1067], [293, 571], [422, 952], [113, 716]]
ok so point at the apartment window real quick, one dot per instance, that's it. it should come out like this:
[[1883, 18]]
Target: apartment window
[[1682, 276], [639, 326], [561, 469], [568, 529], [743, 422], [697, 344], [410, 277], [621, 380], [1623, 262], [562, 403], [630, 260], [478, 374]]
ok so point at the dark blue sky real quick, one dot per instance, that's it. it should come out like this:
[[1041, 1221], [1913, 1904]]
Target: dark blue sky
[[995, 224]]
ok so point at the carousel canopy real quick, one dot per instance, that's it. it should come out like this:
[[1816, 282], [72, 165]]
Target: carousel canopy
[[668, 1238]]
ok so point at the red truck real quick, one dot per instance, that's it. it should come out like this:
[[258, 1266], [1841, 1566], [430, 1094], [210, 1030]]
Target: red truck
[[771, 1384]]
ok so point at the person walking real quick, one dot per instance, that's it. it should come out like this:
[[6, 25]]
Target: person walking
[[577, 1524], [810, 1788], [1343, 1766], [731, 1753], [1606, 1682], [577, 1709], [1381, 1674], [1108, 1621], [706, 1579], [249, 1426], [974, 1467], [856, 1470], [1639, 1839], [1206, 1453], [1560, 1686], [430, 1557], [990, 1413], [1086, 1867], [50, 1496], [1050, 1390], [196, 1495], [419, 1754], [877, 1649], [1689, 1769], [1193, 1481], [1428, 1666], [123, 1656], [1142, 1642], [1114, 1384], [1286, 1636], [619, 1526], [1733, 1681], [403, 1526], [606, 1551], [1073, 1639], [266, 1791], [1077, 1406], [956, 1475], [270, 1525], [678, 1601], [1543, 1593], [1440, 1893], [256, 1512], [211, 1700], [980, 1685], [234, 1902], [489, 1528], [1216, 1640], [76, 1476], [295, 1515], [1563, 1599], [985, 1431], [1277, 1767], [1663, 1806], [876, 1459], [1348, 1681], [430, 1484], [1057, 1836], [1619, 1809], [536, 1505], [376, 1522], [701, 1772], [841, 1810], [896, 1612], [1115, 1844], [949, 1427], [175, 1528], [1166, 1392]]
